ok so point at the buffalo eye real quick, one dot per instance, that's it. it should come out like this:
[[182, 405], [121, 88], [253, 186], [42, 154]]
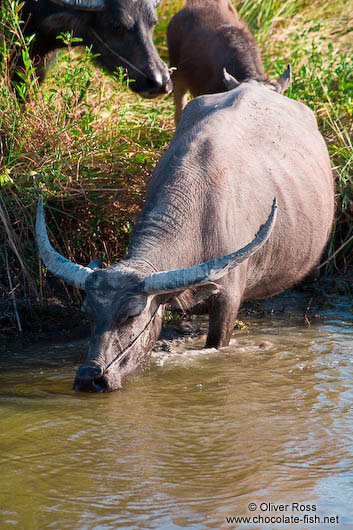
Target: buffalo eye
[[124, 319], [132, 313]]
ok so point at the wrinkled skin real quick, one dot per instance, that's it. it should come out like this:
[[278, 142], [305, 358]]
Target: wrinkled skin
[[121, 35], [125, 324], [232, 153], [118, 313]]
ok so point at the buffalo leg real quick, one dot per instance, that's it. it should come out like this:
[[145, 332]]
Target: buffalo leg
[[40, 64], [180, 97], [43, 65], [222, 312]]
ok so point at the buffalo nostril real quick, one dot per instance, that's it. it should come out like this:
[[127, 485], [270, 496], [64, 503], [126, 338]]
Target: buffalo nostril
[[100, 385], [91, 385], [157, 87], [89, 372], [168, 87]]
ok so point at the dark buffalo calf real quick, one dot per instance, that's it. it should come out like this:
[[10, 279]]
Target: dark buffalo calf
[[205, 38]]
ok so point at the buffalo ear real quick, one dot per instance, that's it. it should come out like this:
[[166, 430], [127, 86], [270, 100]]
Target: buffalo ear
[[194, 296], [204, 291], [285, 80], [229, 81]]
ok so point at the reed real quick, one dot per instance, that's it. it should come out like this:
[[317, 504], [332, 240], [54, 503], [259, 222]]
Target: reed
[[89, 145]]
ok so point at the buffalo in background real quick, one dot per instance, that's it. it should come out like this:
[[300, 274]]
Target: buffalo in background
[[120, 31]]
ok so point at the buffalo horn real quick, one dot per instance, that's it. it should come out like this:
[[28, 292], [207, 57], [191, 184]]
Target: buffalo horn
[[209, 271], [229, 80], [285, 80], [83, 5], [61, 267]]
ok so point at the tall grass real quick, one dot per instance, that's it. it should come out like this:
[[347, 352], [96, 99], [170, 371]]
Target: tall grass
[[316, 39], [85, 142], [89, 145]]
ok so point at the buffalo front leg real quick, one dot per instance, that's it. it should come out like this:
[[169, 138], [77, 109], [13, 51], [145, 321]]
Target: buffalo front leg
[[180, 97], [223, 311], [43, 64]]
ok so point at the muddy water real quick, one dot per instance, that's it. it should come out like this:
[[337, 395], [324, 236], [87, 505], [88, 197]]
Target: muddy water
[[193, 440]]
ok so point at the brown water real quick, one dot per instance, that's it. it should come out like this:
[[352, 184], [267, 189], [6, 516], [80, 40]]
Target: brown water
[[193, 439]]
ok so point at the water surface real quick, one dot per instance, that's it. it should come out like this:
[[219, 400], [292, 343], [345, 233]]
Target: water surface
[[191, 441]]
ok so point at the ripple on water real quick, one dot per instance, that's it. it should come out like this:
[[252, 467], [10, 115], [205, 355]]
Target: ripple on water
[[193, 439]]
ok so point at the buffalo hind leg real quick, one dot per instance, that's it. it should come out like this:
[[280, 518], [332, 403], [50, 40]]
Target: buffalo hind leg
[[223, 311]]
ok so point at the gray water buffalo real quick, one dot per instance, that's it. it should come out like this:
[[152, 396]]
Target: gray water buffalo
[[120, 31], [232, 153], [204, 38]]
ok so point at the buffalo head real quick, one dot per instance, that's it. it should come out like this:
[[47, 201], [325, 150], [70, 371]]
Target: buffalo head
[[280, 86], [125, 303], [121, 32]]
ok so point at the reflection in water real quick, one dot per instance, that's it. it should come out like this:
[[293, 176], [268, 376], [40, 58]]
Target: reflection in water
[[193, 440]]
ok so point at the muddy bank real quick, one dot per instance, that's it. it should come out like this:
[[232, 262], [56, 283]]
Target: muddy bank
[[61, 319]]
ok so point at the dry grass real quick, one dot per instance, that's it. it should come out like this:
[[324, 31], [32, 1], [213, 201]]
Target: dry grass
[[89, 145]]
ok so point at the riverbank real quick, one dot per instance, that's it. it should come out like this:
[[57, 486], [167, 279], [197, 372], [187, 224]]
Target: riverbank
[[61, 319]]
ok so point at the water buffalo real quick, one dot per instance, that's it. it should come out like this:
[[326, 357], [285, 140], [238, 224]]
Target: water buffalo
[[232, 153], [120, 31], [204, 38]]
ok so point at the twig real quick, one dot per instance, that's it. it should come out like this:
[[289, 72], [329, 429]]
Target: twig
[[12, 292], [335, 253], [11, 239], [306, 318]]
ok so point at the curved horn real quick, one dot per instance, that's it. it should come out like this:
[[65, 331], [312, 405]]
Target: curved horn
[[83, 5], [229, 81], [61, 267], [285, 80], [210, 271]]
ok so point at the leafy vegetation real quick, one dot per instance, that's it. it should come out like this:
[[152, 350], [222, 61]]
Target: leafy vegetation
[[89, 145]]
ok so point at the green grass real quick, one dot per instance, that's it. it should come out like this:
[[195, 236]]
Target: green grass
[[89, 145]]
